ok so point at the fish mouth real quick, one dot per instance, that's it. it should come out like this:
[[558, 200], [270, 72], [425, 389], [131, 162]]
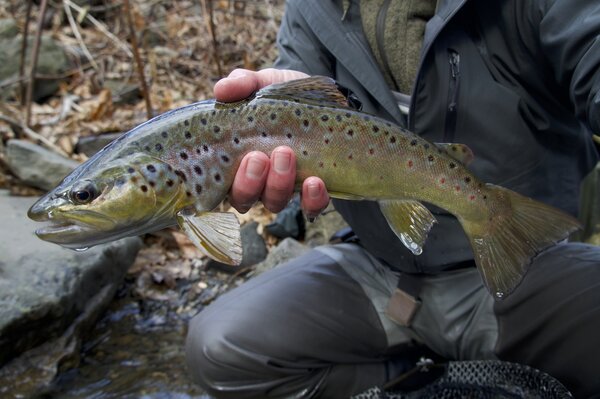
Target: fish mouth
[[66, 234]]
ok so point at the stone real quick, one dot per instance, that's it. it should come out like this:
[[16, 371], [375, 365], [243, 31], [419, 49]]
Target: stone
[[122, 92], [52, 61], [37, 166], [320, 231], [8, 28], [254, 250], [89, 145], [49, 295], [289, 222], [286, 250]]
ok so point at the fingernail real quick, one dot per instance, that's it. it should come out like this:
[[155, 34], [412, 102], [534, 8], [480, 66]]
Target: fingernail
[[255, 168], [314, 190], [281, 162]]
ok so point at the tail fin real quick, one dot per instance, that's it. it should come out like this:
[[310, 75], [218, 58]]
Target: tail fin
[[505, 246]]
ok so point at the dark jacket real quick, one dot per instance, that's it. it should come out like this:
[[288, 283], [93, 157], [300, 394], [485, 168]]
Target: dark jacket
[[517, 81]]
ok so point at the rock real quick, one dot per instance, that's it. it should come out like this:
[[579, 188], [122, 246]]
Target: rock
[[90, 145], [123, 93], [286, 250], [37, 166], [289, 222], [52, 61], [254, 250], [48, 296], [8, 28], [320, 231]]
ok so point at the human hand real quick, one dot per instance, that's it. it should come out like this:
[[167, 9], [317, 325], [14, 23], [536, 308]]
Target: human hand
[[259, 177]]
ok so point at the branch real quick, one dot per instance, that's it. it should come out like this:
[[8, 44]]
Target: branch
[[77, 34], [138, 60], [24, 52], [34, 60], [33, 135]]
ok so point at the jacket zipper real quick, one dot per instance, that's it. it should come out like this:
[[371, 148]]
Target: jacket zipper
[[453, 87]]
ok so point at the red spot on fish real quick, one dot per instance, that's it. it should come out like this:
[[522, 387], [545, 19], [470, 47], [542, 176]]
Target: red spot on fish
[[330, 129], [457, 188], [334, 165], [350, 156], [410, 163], [442, 180], [371, 151], [326, 141], [472, 197]]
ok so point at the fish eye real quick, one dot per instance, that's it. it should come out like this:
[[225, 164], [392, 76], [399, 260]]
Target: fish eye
[[84, 194]]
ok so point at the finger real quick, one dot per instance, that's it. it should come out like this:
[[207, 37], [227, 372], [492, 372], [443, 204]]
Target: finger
[[249, 181], [241, 83], [280, 180], [314, 197]]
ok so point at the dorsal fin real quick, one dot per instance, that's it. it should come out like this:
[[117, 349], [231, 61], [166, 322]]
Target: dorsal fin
[[460, 152], [317, 90]]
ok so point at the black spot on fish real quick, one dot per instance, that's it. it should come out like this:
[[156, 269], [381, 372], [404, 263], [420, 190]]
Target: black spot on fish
[[467, 179], [164, 134], [233, 110], [371, 151], [183, 155], [170, 183], [213, 112], [217, 177], [305, 123], [130, 170], [152, 184], [324, 118], [216, 129], [197, 150], [186, 122], [224, 158], [250, 119], [120, 181], [147, 148], [181, 175], [426, 146], [485, 197], [198, 170], [188, 193], [158, 147], [205, 148], [452, 165], [203, 121], [326, 141], [393, 139], [304, 152], [320, 164], [289, 135], [298, 112], [375, 128], [430, 158], [413, 142], [338, 118], [273, 116], [188, 134], [264, 134], [236, 140], [348, 115], [151, 168], [350, 132], [143, 188], [198, 189], [254, 107]]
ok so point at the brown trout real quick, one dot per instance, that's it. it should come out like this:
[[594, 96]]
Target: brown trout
[[177, 167]]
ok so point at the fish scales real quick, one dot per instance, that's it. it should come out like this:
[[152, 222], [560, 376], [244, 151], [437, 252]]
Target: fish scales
[[177, 167]]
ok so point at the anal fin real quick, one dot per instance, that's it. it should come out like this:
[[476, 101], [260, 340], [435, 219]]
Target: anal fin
[[410, 220], [216, 234]]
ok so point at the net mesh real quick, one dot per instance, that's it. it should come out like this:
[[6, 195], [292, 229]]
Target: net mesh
[[482, 379]]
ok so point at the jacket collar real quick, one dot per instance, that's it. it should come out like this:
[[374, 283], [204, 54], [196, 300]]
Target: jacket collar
[[349, 46]]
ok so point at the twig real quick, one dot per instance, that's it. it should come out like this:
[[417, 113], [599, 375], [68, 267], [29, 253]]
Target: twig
[[32, 134], [138, 60], [34, 60], [24, 52], [77, 34], [101, 27], [207, 10]]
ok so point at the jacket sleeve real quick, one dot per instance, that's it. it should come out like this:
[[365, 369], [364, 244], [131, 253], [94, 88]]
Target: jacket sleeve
[[299, 48], [570, 38]]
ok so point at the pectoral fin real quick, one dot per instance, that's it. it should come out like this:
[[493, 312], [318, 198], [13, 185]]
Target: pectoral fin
[[216, 234], [410, 220]]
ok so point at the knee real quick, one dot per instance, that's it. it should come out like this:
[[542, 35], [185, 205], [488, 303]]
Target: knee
[[209, 360]]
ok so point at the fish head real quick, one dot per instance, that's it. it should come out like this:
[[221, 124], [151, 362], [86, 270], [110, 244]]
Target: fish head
[[105, 200]]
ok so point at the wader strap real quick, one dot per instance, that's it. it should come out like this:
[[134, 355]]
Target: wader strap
[[404, 302]]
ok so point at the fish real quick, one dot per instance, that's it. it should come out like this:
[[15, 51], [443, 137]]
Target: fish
[[176, 168]]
